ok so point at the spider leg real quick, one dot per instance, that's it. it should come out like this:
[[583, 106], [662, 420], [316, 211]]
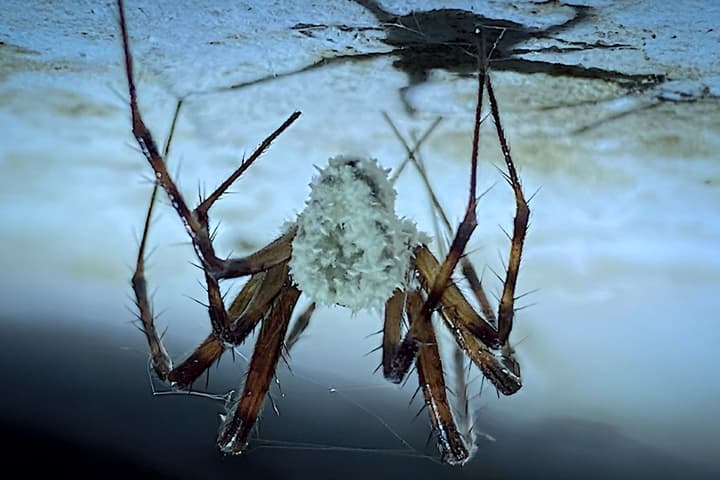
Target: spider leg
[[469, 222], [213, 346], [452, 299], [472, 334], [246, 311], [410, 152], [248, 308], [487, 346], [198, 362], [452, 445], [398, 355], [276, 252], [506, 310], [195, 221], [466, 265], [160, 359], [245, 409], [420, 345]]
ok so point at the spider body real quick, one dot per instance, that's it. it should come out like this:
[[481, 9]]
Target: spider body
[[346, 247], [350, 247]]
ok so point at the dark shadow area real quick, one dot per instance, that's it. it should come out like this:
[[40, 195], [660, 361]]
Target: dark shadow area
[[448, 39], [34, 452], [77, 401]]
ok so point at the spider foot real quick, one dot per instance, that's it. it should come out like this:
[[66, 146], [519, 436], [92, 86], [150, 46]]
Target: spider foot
[[234, 431], [504, 371]]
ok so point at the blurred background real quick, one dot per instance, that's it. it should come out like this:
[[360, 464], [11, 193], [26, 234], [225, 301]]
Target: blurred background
[[612, 114]]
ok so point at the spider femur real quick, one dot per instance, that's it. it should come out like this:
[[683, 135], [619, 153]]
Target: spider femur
[[350, 247]]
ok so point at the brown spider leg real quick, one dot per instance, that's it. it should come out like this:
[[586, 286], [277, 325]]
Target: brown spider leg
[[472, 334], [209, 352], [506, 310], [395, 355], [459, 378], [243, 314], [213, 346], [160, 359], [460, 400], [392, 333], [398, 355], [196, 222], [245, 409], [245, 319], [497, 362], [248, 308], [276, 252], [452, 446], [469, 222], [420, 345], [467, 267]]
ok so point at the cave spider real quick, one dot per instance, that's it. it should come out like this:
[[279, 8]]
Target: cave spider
[[347, 247]]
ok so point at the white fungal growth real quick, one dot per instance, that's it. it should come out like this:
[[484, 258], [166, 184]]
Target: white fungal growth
[[350, 247]]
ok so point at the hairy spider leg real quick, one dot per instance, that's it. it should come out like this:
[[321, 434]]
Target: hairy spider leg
[[195, 221], [501, 369], [484, 340], [420, 346], [244, 410], [267, 296], [400, 359], [460, 372], [161, 362], [212, 348], [468, 269], [469, 222], [461, 312], [431, 377], [398, 354], [420, 343], [506, 310], [481, 345], [497, 363], [272, 343]]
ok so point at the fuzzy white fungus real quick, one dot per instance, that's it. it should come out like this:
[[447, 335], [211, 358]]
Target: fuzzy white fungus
[[351, 248]]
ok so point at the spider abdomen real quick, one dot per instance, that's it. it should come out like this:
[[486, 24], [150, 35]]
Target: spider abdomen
[[350, 247]]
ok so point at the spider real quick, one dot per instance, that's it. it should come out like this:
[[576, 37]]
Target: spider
[[326, 254]]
